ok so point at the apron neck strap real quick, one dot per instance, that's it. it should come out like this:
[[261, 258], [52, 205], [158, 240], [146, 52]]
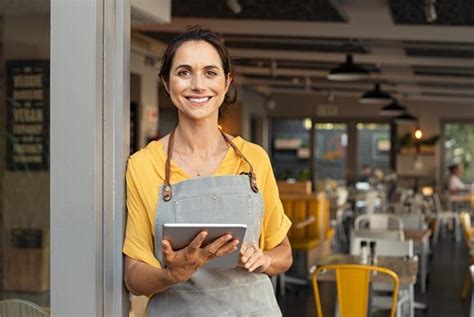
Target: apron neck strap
[[167, 190]]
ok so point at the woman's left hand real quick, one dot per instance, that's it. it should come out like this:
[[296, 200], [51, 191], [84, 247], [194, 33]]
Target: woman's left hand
[[253, 259]]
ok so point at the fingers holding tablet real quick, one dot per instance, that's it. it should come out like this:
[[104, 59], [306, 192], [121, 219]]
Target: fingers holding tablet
[[197, 242], [253, 259], [222, 246], [215, 245]]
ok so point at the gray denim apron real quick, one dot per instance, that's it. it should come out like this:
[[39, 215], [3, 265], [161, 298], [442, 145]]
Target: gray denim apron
[[213, 292]]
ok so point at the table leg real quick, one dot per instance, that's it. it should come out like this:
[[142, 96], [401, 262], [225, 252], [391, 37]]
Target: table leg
[[412, 300], [436, 229], [424, 264], [457, 229]]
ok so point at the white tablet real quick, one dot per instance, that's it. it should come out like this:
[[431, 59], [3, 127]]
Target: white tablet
[[181, 234]]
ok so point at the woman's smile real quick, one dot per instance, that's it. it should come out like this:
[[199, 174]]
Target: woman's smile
[[198, 100]]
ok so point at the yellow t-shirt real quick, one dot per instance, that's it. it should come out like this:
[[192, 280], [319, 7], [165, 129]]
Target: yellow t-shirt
[[146, 173]]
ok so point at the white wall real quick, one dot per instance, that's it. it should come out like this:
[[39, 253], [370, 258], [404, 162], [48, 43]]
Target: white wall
[[253, 104]]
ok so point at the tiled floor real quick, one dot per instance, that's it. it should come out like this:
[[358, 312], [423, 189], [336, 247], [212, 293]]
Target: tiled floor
[[449, 264]]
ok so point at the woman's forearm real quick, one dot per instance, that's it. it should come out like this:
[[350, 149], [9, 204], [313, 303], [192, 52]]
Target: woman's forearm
[[281, 258], [144, 279]]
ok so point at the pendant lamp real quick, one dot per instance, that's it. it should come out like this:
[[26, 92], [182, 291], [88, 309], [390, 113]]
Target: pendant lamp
[[405, 118], [393, 109], [375, 96], [348, 71]]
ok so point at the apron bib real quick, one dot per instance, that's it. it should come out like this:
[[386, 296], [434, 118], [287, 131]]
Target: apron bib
[[214, 292]]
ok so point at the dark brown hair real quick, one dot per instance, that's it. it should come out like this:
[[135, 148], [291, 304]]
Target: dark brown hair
[[198, 33], [453, 167]]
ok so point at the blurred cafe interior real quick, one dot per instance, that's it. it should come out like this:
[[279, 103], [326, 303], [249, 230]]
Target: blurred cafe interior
[[365, 107]]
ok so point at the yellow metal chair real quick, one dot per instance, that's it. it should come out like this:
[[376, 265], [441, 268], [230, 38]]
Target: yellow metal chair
[[468, 233], [352, 282], [468, 230]]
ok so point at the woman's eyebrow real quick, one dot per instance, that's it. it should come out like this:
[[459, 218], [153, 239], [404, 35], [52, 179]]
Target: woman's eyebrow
[[211, 66], [189, 66], [183, 66]]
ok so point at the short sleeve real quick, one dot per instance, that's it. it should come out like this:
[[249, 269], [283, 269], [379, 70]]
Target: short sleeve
[[455, 184], [138, 242], [275, 223]]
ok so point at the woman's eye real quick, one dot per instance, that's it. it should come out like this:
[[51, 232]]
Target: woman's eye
[[184, 73], [211, 73]]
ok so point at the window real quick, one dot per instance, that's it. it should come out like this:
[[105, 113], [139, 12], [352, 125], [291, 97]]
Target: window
[[331, 144], [290, 148], [459, 148], [373, 146]]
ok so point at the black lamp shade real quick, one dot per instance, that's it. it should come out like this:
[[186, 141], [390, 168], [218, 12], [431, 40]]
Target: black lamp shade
[[348, 71], [375, 96], [393, 109], [405, 118]]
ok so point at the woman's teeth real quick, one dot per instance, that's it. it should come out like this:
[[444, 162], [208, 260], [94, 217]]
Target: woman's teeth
[[199, 100]]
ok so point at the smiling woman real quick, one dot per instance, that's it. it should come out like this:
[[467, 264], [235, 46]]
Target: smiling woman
[[222, 179], [196, 87]]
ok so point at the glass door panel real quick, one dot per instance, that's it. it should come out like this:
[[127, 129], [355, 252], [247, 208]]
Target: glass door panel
[[330, 151], [373, 147], [24, 149]]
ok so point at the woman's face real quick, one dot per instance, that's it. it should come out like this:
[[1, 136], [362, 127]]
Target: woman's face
[[197, 83]]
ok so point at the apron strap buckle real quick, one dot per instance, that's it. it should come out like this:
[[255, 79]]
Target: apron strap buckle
[[253, 181], [167, 193]]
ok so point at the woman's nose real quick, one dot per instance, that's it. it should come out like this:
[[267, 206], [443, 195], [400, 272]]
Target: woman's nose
[[197, 82]]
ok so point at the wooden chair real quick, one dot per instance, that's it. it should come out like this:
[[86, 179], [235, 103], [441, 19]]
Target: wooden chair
[[353, 288]]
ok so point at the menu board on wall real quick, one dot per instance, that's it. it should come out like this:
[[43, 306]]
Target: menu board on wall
[[27, 93]]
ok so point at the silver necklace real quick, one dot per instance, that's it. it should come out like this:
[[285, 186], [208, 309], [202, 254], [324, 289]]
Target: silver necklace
[[186, 163]]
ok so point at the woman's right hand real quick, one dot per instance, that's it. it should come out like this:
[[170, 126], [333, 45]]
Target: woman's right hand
[[182, 264]]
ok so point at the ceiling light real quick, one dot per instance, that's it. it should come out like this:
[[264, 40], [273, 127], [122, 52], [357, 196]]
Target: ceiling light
[[307, 83], [405, 118], [375, 96], [234, 6], [270, 103], [393, 109], [273, 68], [430, 11], [348, 71], [418, 133]]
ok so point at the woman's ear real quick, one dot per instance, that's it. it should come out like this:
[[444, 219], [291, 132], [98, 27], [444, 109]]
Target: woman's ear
[[165, 85], [228, 82]]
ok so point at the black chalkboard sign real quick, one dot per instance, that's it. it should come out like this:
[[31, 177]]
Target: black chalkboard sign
[[27, 93]]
